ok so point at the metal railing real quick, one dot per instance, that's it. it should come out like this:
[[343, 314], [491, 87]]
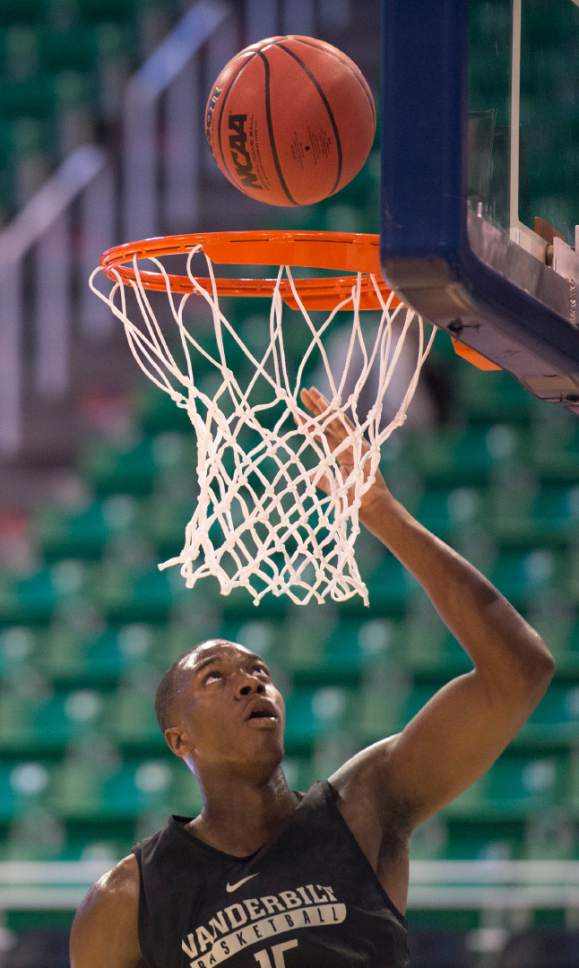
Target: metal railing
[[44, 257], [492, 885], [95, 200]]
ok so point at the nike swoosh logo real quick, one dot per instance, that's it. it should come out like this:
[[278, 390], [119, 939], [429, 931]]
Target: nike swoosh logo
[[233, 887]]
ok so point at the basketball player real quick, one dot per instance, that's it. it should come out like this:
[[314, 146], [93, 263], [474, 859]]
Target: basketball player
[[266, 877]]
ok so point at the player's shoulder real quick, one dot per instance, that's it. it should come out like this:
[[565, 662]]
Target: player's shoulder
[[362, 784], [109, 913], [366, 769], [119, 884]]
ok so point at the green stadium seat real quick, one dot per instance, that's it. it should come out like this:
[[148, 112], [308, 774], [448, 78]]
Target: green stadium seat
[[560, 630], [26, 162], [77, 789], [29, 151], [454, 839], [30, 141], [86, 532], [312, 714], [449, 511], [186, 799], [24, 11], [488, 398], [34, 598], [131, 722], [157, 414], [343, 653], [162, 520], [46, 724], [263, 635], [18, 52], [429, 650], [19, 648], [134, 467], [171, 641], [23, 785], [568, 657], [97, 659], [46, 96], [573, 794], [99, 11], [517, 786], [555, 448], [526, 515], [119, 793], [469, 457], [475, 840], [551, 835], [428, 840], [81, 48], [99, 838], [128, 594], [389, 589], [35, 834], [377, 710], [555, 721], [524, 576], [137, 787], [572, 583], [300, 772]]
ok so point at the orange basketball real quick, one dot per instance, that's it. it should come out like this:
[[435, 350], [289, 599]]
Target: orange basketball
[[290, 120]]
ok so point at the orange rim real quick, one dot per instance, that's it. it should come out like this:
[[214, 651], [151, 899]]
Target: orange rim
[[348, 251]]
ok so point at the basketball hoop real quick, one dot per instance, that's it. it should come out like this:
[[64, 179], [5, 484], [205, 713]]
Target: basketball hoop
[[260, 522]]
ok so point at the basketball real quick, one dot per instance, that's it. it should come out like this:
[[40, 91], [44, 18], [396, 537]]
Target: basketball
[[290, 120]]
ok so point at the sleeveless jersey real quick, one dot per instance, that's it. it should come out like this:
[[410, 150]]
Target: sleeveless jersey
[[308, 898]]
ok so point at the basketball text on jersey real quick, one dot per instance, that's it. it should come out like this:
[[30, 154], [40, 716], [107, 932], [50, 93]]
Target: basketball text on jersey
[[257, 918], [240, 154]]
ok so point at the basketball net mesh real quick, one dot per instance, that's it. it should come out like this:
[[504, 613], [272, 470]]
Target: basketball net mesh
[[260, 521]]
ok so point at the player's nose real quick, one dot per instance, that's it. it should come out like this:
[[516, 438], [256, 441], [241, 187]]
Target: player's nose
[[247, 684]]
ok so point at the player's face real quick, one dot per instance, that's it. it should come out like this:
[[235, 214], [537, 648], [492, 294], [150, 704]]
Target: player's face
[[233, 711]]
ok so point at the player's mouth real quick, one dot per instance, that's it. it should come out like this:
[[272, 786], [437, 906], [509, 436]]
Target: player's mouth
[[261, 713]]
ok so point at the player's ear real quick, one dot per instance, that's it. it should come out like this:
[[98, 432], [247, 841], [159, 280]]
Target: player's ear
[[177, 741]]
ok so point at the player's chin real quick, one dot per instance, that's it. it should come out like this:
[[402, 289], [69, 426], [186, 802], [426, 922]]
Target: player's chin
[[266, 738], [263, 755]]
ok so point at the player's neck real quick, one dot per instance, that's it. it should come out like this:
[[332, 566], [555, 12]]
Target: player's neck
[[239, 815]]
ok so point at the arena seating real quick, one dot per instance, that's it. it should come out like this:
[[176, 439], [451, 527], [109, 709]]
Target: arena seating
[[63, 66], [89, 624]]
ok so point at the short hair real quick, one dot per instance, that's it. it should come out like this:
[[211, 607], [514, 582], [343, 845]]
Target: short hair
[[168, 689]]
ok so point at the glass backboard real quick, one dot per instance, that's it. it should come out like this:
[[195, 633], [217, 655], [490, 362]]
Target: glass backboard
[[480, 186], [523, 96]]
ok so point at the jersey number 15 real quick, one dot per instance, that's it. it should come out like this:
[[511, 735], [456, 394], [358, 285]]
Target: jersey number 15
[[264, 958]]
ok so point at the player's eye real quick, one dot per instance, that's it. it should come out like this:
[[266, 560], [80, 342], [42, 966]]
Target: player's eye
[[214, 672]]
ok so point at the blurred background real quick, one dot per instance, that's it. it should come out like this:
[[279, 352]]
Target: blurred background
[[101, 107]]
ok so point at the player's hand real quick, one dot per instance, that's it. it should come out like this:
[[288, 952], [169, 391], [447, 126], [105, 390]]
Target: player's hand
[[336, 431]]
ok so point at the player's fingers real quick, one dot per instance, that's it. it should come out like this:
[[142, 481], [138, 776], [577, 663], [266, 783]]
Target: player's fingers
[[309, 425], [339, 426], [319, 481], [323, 404]]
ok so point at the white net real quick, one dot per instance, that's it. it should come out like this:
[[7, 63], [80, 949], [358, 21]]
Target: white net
[[260, 522]]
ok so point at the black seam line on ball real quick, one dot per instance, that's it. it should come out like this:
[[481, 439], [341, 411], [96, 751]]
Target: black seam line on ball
[[307, 71], [270, 130], [357, 74], [232, 82]]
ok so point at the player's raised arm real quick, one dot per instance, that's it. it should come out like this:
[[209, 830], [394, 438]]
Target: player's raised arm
[[105, 930], [462, 730]]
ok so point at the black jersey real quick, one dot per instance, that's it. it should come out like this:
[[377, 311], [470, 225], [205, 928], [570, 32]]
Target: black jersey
[[308, 898]]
